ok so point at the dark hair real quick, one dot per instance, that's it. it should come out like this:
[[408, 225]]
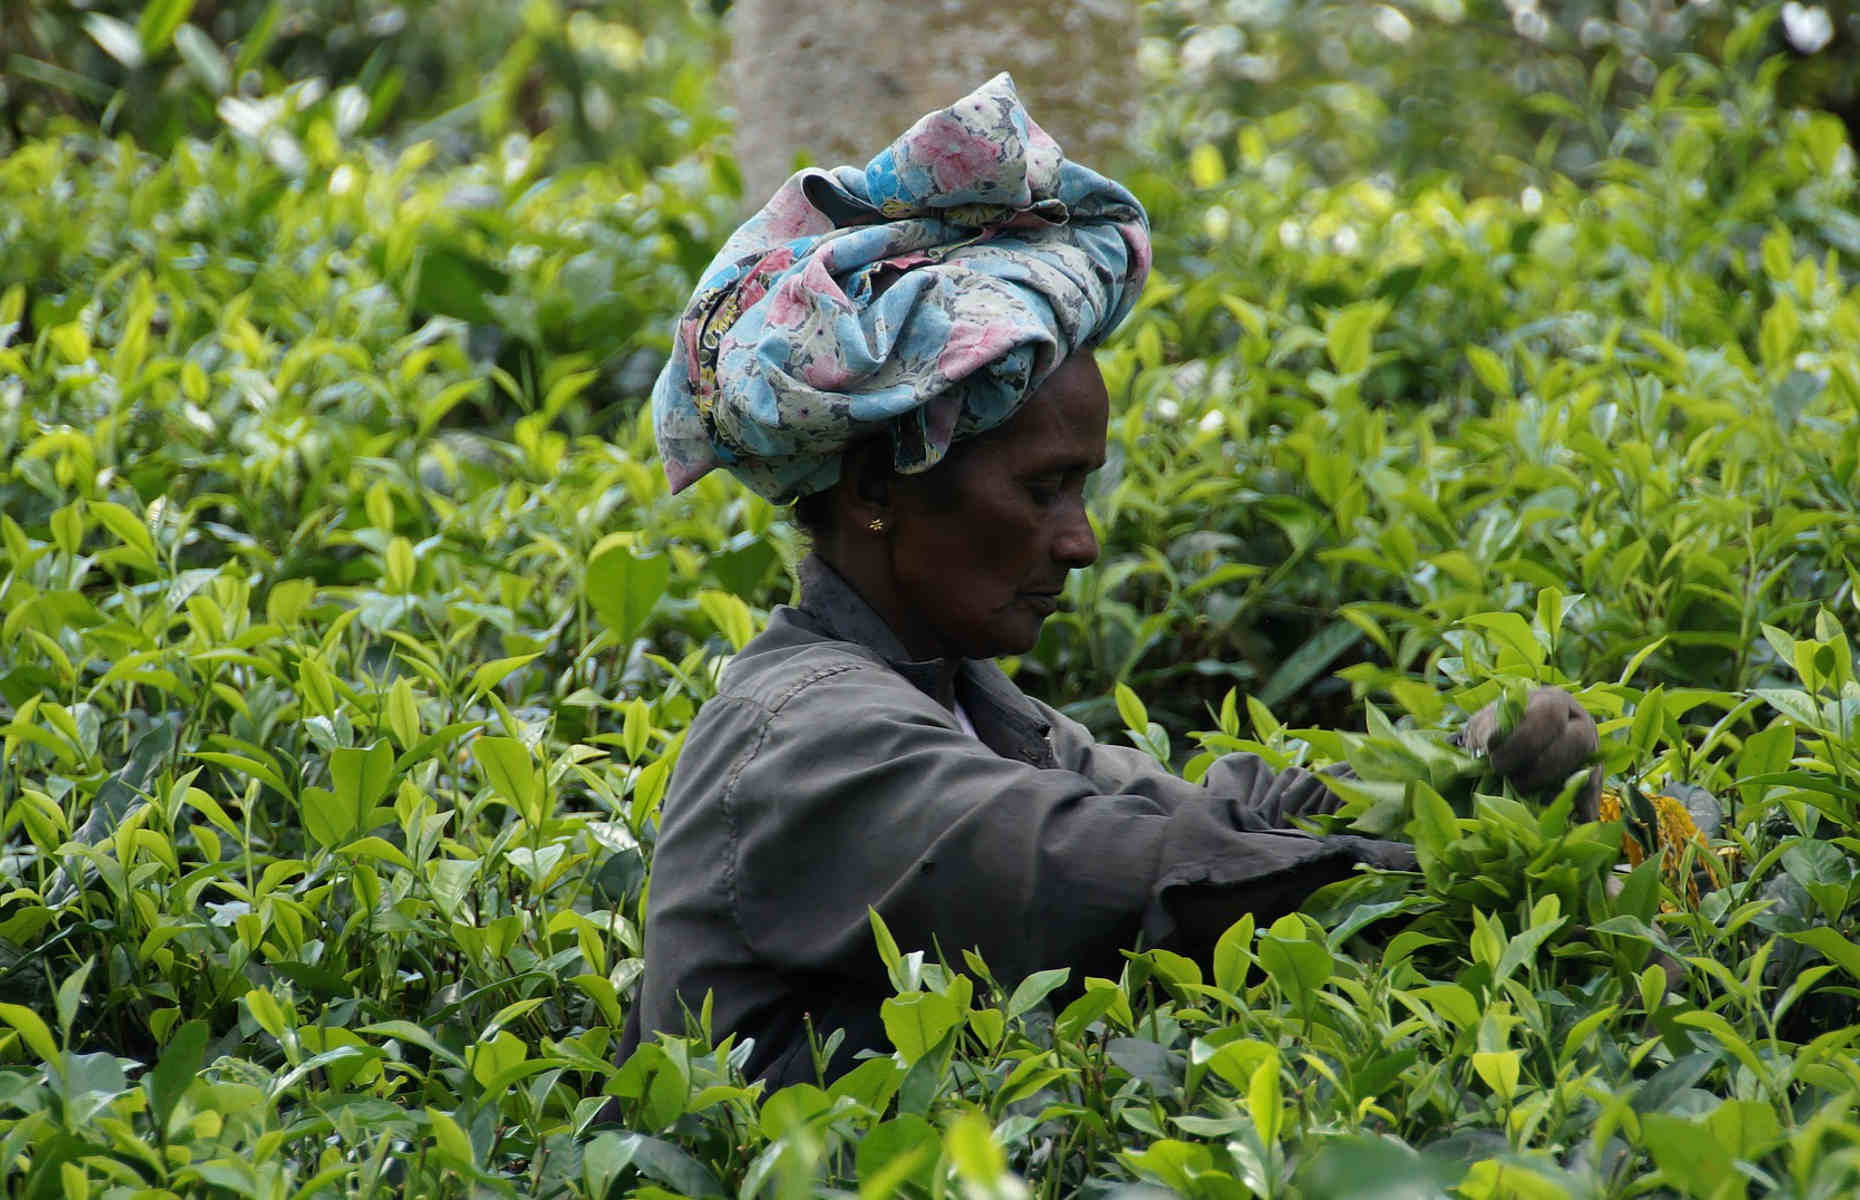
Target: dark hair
[[814, 513]]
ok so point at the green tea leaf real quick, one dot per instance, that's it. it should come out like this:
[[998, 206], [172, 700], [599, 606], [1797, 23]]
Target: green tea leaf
[[916, 1022], [488, 1059], [70, 995], [1747, 1129], [1233, 955], [158, 22], [730, 615], [407, 1031], [32, 1030], [623, 587], [175, 1072], [1688, 1153], [128, 529], [1298, 965], [893, 1152], [496, 671], [1491, 371], [329, 819], [266, 1010], [1499, 1071], [1131, 708], [403, 713], [1263, 1099], [971, 1146], [1310, 660], [1835, 948], [1349, 333], [1035, 988], [512, 774], [204, 61], [450, 1139], [117, 38], [672, 1166], [361, 779]]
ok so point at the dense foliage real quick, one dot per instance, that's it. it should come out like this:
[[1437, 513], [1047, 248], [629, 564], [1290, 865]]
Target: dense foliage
[[1474, 87], [349, 636], [618, 82]]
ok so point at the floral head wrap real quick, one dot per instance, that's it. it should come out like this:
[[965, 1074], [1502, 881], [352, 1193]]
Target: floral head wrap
[[925, 296]]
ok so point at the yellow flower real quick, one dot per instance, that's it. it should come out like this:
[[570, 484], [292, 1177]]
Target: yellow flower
[[1676, 830]]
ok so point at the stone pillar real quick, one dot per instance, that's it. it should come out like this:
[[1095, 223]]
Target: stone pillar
[[836, 80]]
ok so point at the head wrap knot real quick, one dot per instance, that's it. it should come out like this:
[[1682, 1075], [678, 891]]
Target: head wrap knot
[[925, 296]]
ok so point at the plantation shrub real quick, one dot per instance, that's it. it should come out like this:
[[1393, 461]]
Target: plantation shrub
[[620, 84], [349, 637], [1478, 88], [1358, 414]]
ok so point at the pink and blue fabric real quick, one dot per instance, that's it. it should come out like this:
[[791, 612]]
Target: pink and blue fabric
[[924, 296]]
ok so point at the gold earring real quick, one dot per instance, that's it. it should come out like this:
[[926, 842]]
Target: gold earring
[[876, 524]]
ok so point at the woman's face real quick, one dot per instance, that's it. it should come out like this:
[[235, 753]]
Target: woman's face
[[980, 545]]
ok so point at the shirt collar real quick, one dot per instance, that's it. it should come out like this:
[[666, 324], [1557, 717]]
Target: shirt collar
[[1004, 719], [830, 600]]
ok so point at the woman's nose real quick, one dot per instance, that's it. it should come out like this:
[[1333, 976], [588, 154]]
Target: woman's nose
[[1076, 545]]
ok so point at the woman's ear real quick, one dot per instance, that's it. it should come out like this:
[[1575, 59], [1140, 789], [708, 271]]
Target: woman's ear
[[866, 486]]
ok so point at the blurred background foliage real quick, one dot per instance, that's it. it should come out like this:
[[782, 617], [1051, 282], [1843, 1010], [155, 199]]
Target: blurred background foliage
[[1487, 89], [1467, 85], [614, 82]]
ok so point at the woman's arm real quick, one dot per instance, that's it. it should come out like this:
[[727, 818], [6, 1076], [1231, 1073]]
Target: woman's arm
[[859, 792], [1258, 797]]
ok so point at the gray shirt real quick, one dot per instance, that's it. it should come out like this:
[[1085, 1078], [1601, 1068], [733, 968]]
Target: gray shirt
[[824, 778]]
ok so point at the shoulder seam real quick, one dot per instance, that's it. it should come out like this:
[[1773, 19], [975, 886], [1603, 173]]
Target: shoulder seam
[[814, 677], [760, 699]]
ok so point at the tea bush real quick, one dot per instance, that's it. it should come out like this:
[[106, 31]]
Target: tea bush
[[1365, 413], [350, 635], [616, 83], [1474, 87]]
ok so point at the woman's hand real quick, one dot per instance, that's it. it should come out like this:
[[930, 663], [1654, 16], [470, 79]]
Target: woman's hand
[[1553, 740]]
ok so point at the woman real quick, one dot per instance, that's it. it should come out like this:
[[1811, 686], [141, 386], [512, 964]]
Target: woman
[[905, 352]]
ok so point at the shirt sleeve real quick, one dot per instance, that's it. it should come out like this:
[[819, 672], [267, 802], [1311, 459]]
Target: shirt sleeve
[[960, 848], [1257, 796]]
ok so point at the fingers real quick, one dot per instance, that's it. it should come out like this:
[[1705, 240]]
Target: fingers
[[1552, 740], [1476, 736], [1589, 800]]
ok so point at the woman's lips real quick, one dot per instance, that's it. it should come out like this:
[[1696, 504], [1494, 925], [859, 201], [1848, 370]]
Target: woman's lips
[[1044, 603]]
